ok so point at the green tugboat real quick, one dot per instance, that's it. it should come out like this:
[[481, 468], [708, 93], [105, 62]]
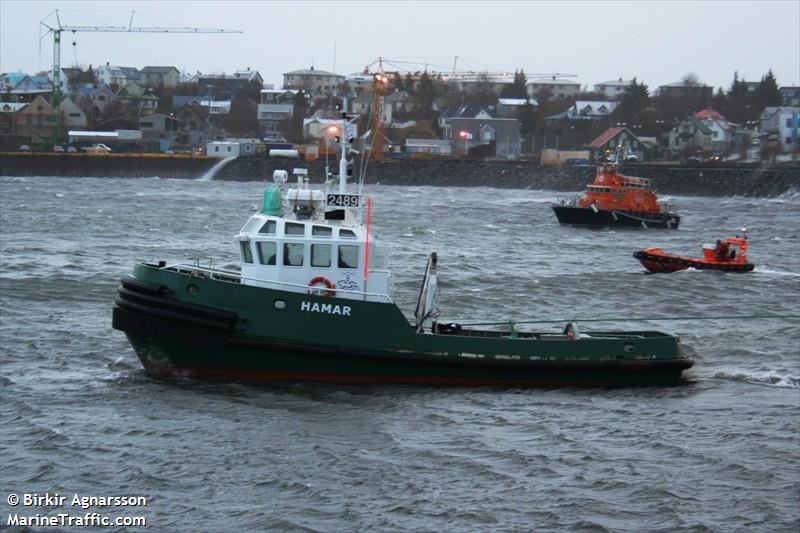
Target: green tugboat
[[312, 302]]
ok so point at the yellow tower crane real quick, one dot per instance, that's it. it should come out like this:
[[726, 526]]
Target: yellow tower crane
[[57, 28]]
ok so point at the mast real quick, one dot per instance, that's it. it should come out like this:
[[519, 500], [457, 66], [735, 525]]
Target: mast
[[343, 159]]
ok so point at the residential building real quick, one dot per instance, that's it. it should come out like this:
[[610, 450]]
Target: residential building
[[689, 135], [154, 77], [683, 89], [117, 76], [312, 81], [22, 87], [791, 96], [501, 133], [36, 121], [221, 87], [479, 83], [783, 123], [8, 117], [401, 102], [276, 106], [618, 140], [511, 107], [468, 111], [100, 97], [136, 96], [359, 83], [159, 128], [316, 129], [614, 89], [249, 75], [586, 110], [555, 86], [72, 116], [722, 131], [193, 125]]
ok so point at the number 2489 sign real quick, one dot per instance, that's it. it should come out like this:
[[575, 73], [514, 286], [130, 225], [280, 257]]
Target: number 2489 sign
[[343, 200]]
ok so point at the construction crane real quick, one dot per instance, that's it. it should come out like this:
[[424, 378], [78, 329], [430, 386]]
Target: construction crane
[[379, 84], [130, 28]]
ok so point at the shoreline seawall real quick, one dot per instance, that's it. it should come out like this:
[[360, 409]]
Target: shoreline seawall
[[104, 165], [689, 181]]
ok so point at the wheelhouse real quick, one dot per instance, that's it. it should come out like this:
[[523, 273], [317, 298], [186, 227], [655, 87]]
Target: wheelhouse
[[316, 256]]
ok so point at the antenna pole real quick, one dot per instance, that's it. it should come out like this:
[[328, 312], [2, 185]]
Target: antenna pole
[[343, 160]]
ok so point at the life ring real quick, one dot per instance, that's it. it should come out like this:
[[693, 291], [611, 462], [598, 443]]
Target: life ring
[[331, 288]]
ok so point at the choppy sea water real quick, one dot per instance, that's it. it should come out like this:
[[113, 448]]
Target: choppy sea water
[[719, 453]]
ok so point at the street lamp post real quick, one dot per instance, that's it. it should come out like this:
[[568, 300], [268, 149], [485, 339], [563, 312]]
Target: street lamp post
[[466, 136]]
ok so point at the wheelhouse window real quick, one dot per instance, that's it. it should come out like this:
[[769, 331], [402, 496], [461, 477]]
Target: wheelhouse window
[[267, 252], [293, 228], [321, 231], [347, 234], [321, 255], [293, 254], [250, 225], [348, 256], [247, 254], [270, 227]]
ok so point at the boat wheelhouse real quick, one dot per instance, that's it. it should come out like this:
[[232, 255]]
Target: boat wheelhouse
[[317, 247]]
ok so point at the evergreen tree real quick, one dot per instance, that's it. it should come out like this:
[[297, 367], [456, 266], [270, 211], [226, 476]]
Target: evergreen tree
[[635, 109], [767, 93], [425, 93], [741, 106], [518, 89], [294, 126]]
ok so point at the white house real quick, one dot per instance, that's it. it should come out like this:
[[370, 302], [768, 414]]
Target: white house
[[560, 88], [613, 89], [114, 75], [783, 122]]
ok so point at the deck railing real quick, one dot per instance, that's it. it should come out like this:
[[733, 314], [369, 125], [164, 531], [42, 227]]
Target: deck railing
[[233, 276]]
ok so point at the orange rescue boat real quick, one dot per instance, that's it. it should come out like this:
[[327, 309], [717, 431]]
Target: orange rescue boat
[[729, 255], [614, 199]]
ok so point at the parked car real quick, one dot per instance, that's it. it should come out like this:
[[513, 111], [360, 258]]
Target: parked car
[[98, 148], [24, 148], [71, 149], [58, 148], [631, 157]]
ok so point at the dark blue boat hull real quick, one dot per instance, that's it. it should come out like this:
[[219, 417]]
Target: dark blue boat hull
[[586, 216]]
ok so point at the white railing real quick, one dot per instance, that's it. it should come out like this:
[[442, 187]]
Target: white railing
[[220, 274]]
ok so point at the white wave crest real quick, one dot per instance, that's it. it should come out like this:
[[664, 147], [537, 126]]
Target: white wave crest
[[770, 378], [760, 270]]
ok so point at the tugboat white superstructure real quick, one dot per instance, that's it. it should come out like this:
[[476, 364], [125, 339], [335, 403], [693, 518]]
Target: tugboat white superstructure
[[321, 245]]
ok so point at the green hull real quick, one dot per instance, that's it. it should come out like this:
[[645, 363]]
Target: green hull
[[188, 324]]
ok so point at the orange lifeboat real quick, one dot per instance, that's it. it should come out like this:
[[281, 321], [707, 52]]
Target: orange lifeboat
[[614, 199], [729, 255]]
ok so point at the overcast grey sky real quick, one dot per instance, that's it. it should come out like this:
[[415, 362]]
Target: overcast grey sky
[[657, 42]]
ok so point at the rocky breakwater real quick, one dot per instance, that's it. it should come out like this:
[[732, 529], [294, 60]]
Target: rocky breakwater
[[122, 165], [690, 181]]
